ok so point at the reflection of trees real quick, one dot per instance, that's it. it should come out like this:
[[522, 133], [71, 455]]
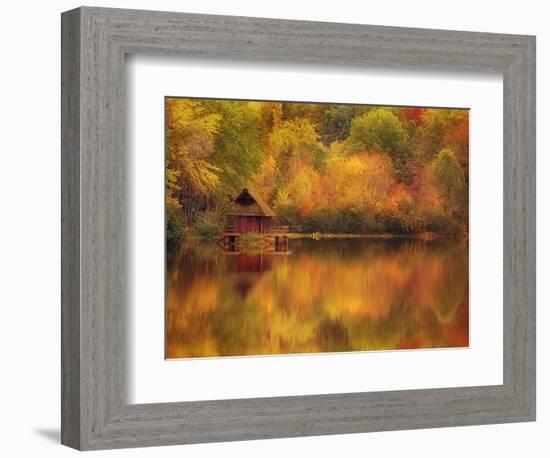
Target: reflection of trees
[[449, 291], [238, 326], [333, 335], [343, 295]]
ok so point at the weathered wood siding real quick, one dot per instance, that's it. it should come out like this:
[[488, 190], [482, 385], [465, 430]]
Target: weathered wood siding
[[246, 224]]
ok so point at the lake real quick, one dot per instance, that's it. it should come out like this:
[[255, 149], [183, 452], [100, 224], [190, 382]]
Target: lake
[[328, 295]]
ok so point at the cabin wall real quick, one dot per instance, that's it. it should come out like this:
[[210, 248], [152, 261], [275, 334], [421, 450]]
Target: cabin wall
[[246, 224]]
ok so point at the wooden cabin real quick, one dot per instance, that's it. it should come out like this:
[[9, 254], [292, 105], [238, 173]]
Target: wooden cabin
[[249, 213]]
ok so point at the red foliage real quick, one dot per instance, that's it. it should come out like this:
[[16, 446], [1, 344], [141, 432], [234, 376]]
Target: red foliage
[[412, 114], [458, 139]]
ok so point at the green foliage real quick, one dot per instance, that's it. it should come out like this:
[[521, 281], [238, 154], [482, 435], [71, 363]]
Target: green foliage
[[336, 122], [174, 234], [360, 219], [237, 149], [381, 130], [392, 224], [319, 156], [209, 226], [251, 243], [293, 141], [286, 210], [453, 185], [377, 130], [443, 224]]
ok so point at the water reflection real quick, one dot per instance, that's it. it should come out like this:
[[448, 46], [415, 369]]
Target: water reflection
[[328, 295]]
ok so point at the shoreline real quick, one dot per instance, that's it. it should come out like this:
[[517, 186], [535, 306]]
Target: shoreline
[[383, 235]]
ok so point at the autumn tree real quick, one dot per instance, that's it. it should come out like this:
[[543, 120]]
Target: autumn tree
[[412, 114], [293, 160], [271, 115], [191, 176], [457, 138], [313, 112], [453, 185], [336, 122], [381, 130], [443, 128], [237, 153], [295, 141]]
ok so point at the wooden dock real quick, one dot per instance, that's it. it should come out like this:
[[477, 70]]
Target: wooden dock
[[275, 237]]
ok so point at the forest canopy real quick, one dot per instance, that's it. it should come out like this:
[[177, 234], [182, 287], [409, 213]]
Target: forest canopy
[[326, 168]]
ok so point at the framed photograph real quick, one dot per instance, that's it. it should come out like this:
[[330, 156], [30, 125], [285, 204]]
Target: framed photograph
[[299, 228], [277, 228]]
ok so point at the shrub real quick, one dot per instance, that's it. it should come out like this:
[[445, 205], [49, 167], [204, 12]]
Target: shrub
[[174, 234], [250, 238], [251, 243], [208, 226], [321, 220], [444, 224], [392, 224]]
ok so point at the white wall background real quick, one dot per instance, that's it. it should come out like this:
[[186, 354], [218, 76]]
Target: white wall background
[[30, 246]]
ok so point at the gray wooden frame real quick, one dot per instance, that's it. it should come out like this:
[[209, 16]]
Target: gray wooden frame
[[95, 413]]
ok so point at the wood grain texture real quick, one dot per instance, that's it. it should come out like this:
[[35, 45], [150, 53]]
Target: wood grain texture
[[95, 410], [70, 229]]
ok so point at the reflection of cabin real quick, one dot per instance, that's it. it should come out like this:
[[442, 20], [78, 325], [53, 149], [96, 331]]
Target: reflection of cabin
[[247, 270], [249, 213], [246, 263]]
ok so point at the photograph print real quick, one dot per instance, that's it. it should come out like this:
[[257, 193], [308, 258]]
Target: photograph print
[[299, 228]]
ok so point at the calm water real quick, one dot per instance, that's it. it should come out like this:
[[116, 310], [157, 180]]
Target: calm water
[[325, 296]]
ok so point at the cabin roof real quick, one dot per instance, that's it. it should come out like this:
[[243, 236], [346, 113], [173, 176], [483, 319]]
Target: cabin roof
[[249, 203]]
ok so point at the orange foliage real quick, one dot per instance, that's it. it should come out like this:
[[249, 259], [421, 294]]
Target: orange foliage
[[400, 194], [412, 114], [458, 138]]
